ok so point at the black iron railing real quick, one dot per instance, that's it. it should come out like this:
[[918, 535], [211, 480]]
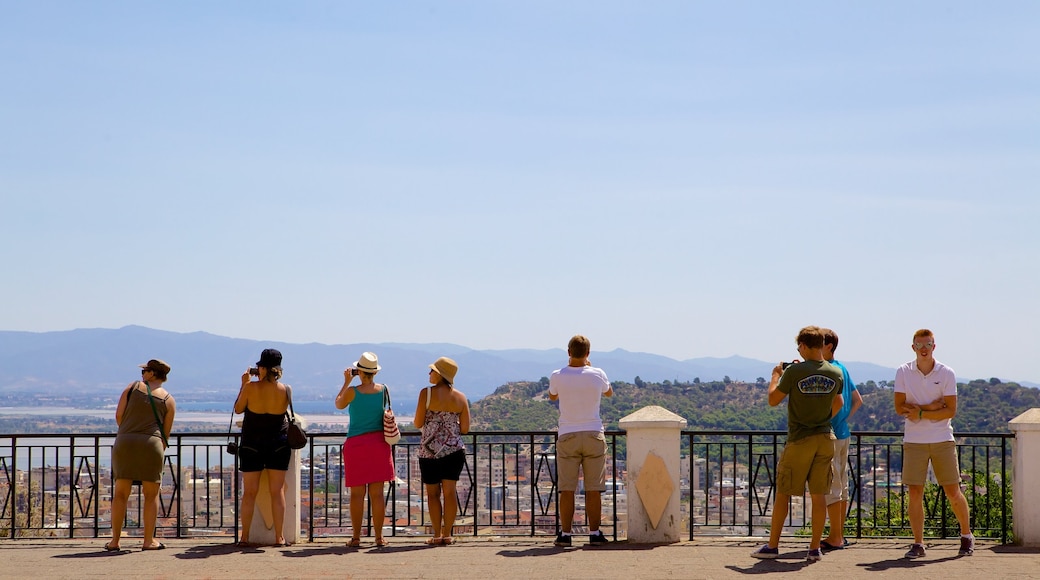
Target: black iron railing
[[60, 486], [731, 480]]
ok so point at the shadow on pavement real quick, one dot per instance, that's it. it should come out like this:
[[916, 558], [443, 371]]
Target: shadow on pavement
[[903, 563], [773, 566], [99, 553], [210, 550]]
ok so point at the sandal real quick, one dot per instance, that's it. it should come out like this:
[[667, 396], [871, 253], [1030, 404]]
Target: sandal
[[449, 540], [354, 543], [110, 548], [159, 546], [382, 542], [434, 541]]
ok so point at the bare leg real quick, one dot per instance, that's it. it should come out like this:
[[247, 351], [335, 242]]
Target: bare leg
[[151, 512], [357, 511], [776, 523], [451, 507], [433, 499], [276, 481], [593, 509], [959, 505], [819, 519], [915, 512], [566, 511], [120, 495], [375, 501], [250, 487], [836, 514]]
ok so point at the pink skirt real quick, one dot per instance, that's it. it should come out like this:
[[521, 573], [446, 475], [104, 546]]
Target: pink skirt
[[367, 459]]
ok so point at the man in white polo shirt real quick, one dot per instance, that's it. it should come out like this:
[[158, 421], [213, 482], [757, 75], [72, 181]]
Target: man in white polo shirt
[[926, 395], [580, 440]]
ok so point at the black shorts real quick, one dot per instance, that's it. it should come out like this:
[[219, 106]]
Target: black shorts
[[448, 467], [261, 457]]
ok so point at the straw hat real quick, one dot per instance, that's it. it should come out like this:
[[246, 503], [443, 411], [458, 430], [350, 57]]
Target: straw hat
[[368, 362], [446, 368]]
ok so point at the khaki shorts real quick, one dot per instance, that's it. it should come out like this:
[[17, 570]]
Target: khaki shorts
[[944, 463], [840, 464], [807, 460], [585, 449]]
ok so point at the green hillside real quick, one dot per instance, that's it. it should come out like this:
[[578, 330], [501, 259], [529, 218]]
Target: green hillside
[[983, 406]]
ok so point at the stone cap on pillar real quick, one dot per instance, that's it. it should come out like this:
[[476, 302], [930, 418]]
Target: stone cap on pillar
[[652, 417], [1027, 421]]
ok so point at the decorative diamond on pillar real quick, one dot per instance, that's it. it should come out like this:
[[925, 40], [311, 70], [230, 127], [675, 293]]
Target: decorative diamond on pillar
[[655, 487]]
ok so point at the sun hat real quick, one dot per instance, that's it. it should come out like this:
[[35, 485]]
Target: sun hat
[[446, 368], [368, 362], [156, 366], [270, 359]]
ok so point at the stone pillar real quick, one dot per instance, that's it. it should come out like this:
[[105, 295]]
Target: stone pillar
[[654, 515], [1025, 462], [262, 529]]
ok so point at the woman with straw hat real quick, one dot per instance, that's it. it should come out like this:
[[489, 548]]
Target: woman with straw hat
[[368, 460], [443, 415]]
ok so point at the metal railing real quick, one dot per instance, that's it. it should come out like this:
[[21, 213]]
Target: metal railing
[[731, 482], [61, 486]]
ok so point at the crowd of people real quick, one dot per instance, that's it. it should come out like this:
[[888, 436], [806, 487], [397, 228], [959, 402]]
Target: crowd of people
[[821, 398]]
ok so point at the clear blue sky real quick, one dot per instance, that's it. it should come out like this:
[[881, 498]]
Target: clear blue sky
[[684, 178]]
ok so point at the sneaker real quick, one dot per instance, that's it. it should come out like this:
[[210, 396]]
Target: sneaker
[[814, 555], [597, 538], [562, 540], [967, 546], [917, 551], [766, 553]]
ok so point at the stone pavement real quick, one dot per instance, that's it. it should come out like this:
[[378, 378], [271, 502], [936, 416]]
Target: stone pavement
[[507, 557]]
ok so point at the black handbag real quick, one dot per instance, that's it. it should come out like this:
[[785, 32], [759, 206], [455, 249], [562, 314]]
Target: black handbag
[[297, 436], [232, 446]]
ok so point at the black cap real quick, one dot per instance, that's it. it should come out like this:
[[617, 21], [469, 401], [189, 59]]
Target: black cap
[[270, 358]]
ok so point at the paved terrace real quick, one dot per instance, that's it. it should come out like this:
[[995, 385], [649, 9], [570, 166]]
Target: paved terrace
[[510, 558]]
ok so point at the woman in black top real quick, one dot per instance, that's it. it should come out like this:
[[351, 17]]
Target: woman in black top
[[264, 444]]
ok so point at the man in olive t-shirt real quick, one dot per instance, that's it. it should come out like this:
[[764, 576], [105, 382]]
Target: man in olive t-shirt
[[813, 389]]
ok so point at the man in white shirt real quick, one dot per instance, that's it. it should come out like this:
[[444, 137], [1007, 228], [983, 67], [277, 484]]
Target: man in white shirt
[[580, 440], [926, 395]]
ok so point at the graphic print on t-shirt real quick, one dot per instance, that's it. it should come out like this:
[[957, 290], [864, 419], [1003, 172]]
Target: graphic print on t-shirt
[[817, 385]]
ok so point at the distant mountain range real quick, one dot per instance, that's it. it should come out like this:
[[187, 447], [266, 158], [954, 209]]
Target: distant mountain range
[[208, 367]]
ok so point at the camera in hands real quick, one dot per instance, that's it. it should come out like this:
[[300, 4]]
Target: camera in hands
[[254, 371]]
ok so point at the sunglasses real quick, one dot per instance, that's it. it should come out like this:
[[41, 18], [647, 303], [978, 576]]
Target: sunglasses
[[143, 371], [924, 345]]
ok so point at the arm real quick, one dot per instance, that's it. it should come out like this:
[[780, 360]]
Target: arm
[[346, 394], [857, 402], [904, 409], [171, 410], [610, 392], [776, 396], [420, 410], [946, 409], [240, 401], [464, 417], [837, 404], [121, 407]]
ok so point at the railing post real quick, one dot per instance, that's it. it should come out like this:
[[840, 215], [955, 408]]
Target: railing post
[[259, 532], [653, 435], [1025, 457]]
